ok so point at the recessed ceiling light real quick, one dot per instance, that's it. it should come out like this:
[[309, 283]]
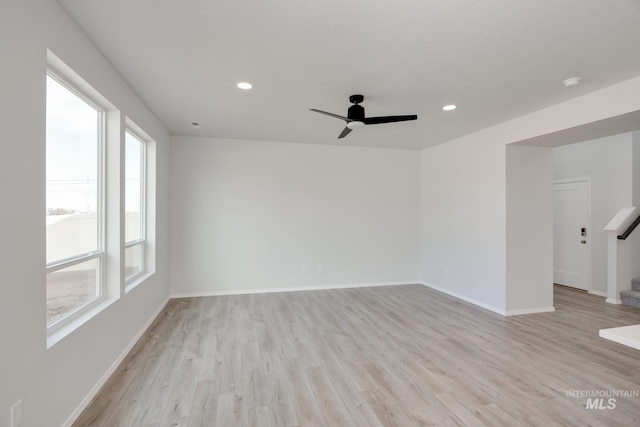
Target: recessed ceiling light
[[244, 85], [449, 107], [572, 81]]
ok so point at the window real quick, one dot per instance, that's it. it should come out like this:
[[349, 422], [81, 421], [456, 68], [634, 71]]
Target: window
[[100, 202], [135, 206], [74, 203]]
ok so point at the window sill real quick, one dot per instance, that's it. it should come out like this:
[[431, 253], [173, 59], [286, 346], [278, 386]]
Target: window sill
[[136, 280], [57, 332]]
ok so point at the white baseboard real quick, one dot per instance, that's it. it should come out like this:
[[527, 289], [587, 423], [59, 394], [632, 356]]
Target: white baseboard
[[292, 289], [489, 307], [598, 293], [464, 298], [96, 388], [530, 311], [613, 301]]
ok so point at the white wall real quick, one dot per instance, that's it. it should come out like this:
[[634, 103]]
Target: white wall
[[249, 215], [53, 382], [635, 148], [463, 214], [529, 218], [462, 225], [608, 163]]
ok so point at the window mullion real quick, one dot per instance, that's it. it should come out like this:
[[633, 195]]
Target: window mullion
[[133, 243], [69, 262]]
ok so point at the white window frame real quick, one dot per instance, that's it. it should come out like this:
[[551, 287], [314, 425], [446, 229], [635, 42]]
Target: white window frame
[[99, 253], [111, 244], [131, 281]]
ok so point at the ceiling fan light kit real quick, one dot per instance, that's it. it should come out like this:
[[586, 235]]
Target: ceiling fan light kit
[[356, 117]]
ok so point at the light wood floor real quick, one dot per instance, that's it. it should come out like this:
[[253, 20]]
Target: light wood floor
[[386, 356]]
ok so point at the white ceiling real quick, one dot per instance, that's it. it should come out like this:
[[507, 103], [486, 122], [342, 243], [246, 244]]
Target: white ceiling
[[495, 59]]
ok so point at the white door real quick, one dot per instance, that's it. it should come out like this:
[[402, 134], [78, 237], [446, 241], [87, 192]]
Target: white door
[[571, 234]]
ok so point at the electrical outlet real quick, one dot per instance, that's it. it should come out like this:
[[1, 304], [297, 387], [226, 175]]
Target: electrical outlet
[[16, 414], [320, 268], [304, 268]]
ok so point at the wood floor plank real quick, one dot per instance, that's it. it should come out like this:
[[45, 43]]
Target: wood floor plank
[[226, 413], [384, 356], [204, 407]]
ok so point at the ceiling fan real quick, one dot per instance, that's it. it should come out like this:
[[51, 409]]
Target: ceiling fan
[[355, 116]]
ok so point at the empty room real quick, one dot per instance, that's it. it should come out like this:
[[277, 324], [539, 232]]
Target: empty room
[[319, 213]]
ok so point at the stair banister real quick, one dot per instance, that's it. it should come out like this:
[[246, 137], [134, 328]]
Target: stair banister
[[629, 229], [620, 263]]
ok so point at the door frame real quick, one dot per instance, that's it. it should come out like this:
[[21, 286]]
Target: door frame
[[590, 232]]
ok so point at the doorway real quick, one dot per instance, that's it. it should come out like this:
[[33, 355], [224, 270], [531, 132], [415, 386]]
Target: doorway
[[572, 233]]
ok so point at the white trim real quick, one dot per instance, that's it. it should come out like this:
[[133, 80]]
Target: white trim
[[292, 289], [69, 80], [139, 278], [112, 369], [621, 220], [464, 298], [613, 301], [62, 327], [598, 293], [625, 335], [73, 87], [74, 260], [134, 279], [132, 243], [489, 307], [89, 94], [143, 180], [530, 311]]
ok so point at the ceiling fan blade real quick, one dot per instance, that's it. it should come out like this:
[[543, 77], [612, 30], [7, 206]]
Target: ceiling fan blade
[[388, 119], [331, 114], [344, 133]]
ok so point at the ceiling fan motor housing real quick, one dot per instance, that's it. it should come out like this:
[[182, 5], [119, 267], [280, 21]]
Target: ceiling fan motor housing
[[356, 113]]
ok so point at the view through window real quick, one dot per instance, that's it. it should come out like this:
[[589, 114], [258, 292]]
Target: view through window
[[134, 227], [74, 200]]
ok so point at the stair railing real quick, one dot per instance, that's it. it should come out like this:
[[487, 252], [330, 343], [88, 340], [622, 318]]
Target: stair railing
[[621, 266], [629, 229]]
